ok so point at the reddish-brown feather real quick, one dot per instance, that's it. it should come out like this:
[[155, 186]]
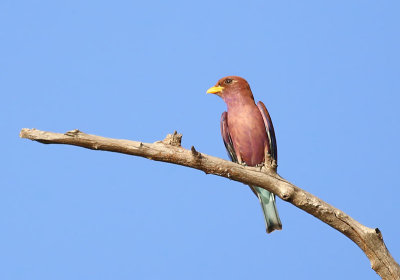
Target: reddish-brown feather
[[244, 121]]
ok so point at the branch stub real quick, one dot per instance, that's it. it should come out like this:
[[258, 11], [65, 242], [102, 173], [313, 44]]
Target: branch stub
[[173, 139]]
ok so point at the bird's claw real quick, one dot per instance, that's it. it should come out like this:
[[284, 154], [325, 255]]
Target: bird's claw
[[261, 165]]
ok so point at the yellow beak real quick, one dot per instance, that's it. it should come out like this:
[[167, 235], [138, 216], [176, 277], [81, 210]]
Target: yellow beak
[[215, 89]]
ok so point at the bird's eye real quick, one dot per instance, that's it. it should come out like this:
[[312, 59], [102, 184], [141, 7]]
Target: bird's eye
[[228, 81]]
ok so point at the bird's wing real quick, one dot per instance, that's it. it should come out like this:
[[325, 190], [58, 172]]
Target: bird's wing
[[226, 137], [272, 148]]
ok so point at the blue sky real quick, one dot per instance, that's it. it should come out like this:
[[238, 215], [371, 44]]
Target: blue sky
[[327, 71]]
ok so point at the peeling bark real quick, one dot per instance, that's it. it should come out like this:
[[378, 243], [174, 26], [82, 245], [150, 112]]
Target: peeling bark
[[169, 150]]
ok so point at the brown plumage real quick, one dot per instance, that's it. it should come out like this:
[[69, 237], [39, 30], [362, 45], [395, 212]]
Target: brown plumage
[[248, 133]]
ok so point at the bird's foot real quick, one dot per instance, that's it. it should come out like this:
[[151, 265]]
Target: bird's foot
[[261, 165]]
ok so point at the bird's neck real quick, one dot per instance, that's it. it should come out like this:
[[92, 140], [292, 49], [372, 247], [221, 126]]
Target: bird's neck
[[237, 102]]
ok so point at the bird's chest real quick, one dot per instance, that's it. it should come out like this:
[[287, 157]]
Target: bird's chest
[[247, 130]]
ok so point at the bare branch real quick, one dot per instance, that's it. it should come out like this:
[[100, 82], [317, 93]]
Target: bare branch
[[169, 150]]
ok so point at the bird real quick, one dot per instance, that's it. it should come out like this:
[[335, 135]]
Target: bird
[[249, 137]]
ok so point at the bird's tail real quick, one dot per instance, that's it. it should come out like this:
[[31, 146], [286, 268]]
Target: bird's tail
[[267, 200]]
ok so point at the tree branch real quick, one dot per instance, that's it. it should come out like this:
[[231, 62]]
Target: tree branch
[[169, 150]]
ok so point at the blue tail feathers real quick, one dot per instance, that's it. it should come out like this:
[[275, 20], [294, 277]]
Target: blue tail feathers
[[267, 200]]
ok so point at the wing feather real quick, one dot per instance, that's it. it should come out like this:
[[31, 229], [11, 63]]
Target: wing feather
[[226, 137], [272, 147]]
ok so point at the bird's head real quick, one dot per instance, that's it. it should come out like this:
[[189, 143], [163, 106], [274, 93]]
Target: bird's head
[[231, 87]]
